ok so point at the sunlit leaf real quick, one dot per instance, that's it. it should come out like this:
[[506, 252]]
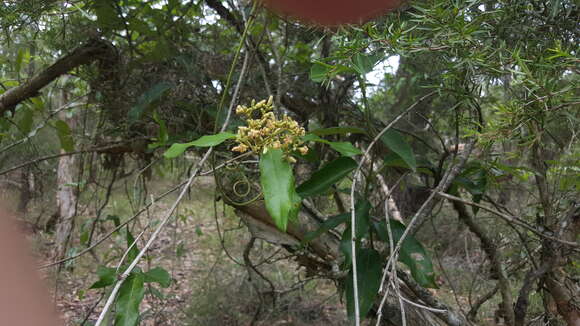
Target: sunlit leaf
[[205, 141], [277, 180]]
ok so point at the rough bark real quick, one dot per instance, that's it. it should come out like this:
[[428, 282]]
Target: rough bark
[[85, 54]]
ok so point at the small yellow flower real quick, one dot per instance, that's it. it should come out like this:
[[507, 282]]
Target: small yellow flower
[[269, 132]]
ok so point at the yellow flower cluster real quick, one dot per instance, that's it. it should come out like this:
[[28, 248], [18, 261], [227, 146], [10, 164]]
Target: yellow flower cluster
[[268, 132]]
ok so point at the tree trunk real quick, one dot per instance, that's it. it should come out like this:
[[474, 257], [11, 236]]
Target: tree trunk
[[66, 197]]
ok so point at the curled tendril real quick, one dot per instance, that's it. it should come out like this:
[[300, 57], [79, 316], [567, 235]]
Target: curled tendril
[[231, 185], [242, 182]]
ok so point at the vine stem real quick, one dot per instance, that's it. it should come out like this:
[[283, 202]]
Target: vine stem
[[185, 188], [352, 211]]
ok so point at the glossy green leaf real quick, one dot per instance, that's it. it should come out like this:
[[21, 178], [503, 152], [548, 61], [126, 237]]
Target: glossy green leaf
[[395, 142], [277, 180], [319, 71], [158, 275], [328, 175], [338, 130], [205, 141], [345, 148], [64, 135], [412, 253], [369, 272], [107, 276], [130, 296]]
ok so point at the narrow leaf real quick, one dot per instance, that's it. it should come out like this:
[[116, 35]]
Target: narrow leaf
[[178, 149], [134, 251], [344, 148], [324, 178], [277, 180], [338, 130]]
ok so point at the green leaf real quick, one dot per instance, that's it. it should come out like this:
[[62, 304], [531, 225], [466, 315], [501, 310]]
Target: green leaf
[[130, 296], [25, 123], [64, 135], [205, 141], [345, 245], [363, 64], [134, 251], [156, 293], [107, 276], [369, 271], [412, 253], [148, 98], [19, 60], [362, 217], [399, 145], [277, 180], [158, 275], [212, 140], [362, 220], [107, 17], [326, 226], [319, 71], [361, 210], [338, 130], [344, 148], [474, 180], [324, 178]]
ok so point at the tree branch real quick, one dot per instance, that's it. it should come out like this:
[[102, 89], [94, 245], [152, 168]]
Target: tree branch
[[85, 54]]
